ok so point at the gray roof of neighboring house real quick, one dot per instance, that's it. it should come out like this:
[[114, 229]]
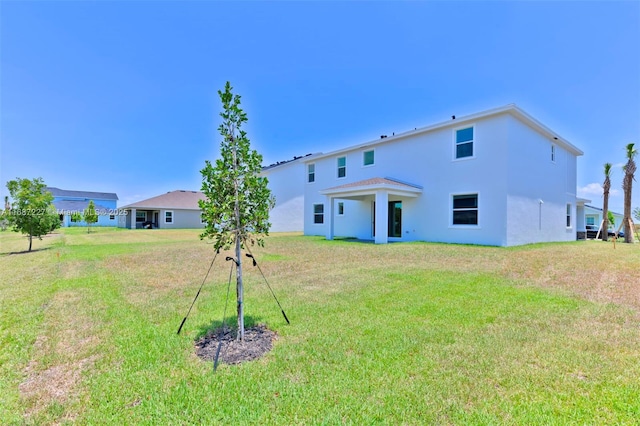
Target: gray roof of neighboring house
[[57, 192], [72, 206], [599, 209], [180, 199]]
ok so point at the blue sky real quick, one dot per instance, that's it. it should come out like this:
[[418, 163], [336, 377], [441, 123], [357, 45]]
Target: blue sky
[[122, 97]]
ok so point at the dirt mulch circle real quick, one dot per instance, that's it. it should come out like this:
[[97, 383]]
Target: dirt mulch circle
[[258, 340]]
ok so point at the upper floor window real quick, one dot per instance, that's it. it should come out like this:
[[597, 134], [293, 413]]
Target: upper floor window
[[368, 158], [311, 173], [553, 153], [342, 167], [465, 209], [464, 142]]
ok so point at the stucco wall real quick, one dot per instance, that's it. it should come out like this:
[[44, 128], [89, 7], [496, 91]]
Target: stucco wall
[[286, 183]]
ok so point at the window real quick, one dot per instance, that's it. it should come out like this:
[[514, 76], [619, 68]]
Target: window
[[464, 142], [591, 220], [368, 158], [342, 167], [141, 216], [318, 213], [568, 215], [340, 208], [465, 209], [553, 153], [168, 216], [112, 217], [311, 173]]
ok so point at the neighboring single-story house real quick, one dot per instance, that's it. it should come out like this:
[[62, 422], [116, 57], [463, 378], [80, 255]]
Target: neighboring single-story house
[[68, 202], [286, 182], [593, 217], [497, 177], [175, 209]]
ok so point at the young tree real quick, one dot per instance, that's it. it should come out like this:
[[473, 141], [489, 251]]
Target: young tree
[[606, 187], [237, 204], [627, 182], [90, 216], [32, 212]]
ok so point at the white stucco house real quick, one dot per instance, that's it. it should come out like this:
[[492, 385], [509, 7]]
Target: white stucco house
[[497, 177]]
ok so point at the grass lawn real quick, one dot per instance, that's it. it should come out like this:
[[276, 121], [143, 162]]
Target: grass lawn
[[411, 333]]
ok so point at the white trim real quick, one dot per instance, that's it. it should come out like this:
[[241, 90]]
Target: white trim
[[460, 226], [172, 216], [364, 151], [308, 173], [471, 126], [338, 167]]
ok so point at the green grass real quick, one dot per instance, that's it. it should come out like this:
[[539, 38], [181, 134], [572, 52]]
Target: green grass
[[395, 334]]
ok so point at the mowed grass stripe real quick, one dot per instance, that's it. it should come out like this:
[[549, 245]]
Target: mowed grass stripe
[[405, 333]]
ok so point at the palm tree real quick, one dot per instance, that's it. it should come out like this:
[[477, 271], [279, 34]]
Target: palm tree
[[627, 182], [606, 187]]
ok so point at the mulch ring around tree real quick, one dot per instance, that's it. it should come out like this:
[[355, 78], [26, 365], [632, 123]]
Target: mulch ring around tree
[[258, 340]]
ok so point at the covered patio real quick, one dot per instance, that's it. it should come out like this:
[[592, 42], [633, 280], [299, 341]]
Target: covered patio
[[386, 213]]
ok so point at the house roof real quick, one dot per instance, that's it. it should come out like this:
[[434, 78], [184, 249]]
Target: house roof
[[599, 209], [57, 192], [179, 199], [369, 186], [281, 163], [512, 109], [73, 206]]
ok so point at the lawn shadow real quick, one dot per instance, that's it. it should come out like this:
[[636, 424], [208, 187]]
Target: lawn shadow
[[231, 325], [25, 251]]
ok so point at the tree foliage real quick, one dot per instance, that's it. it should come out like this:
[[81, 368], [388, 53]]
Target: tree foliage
[[237, 203], [636, 213], [32, 212], [90, 215], [237, 200], [627, 184]]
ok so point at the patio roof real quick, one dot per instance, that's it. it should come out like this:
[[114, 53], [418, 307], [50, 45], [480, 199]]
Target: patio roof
[[370, 186]]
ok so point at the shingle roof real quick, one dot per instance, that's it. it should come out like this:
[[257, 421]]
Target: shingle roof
[[180, 199], [57, 192]]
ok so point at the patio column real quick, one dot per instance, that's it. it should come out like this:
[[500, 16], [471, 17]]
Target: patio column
[[382, 217], [329, 215], [133, 219]]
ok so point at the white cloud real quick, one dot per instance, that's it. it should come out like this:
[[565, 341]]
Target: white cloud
[[595, 189]]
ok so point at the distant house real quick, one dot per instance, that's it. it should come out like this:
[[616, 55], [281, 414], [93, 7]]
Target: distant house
[[68, 202], [175, 209], [497, 177], [593, 217]]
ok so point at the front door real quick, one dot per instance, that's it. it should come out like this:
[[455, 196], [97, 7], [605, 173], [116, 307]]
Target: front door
[[155, 219]]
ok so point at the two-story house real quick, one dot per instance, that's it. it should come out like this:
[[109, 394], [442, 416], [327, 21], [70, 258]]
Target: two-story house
[[498, 177], [68, 202]]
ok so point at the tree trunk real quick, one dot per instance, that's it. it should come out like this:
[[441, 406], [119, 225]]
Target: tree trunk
[[239, 290], [605, 217], [30, 234], [30, 240], [628, 232]]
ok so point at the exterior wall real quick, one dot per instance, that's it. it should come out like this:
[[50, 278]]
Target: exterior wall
[[539, 188], [426, 160], [182, 219], [286, 183], [103, 220]]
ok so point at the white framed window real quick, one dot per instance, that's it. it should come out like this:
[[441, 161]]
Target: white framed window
[[340, 208], [464, 139], [553, 153], [568, 215], [590, 220], [318, 213], [141, 216], [368, 158], [465, 209], [168, 216], [342, 167], [311, 173]]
